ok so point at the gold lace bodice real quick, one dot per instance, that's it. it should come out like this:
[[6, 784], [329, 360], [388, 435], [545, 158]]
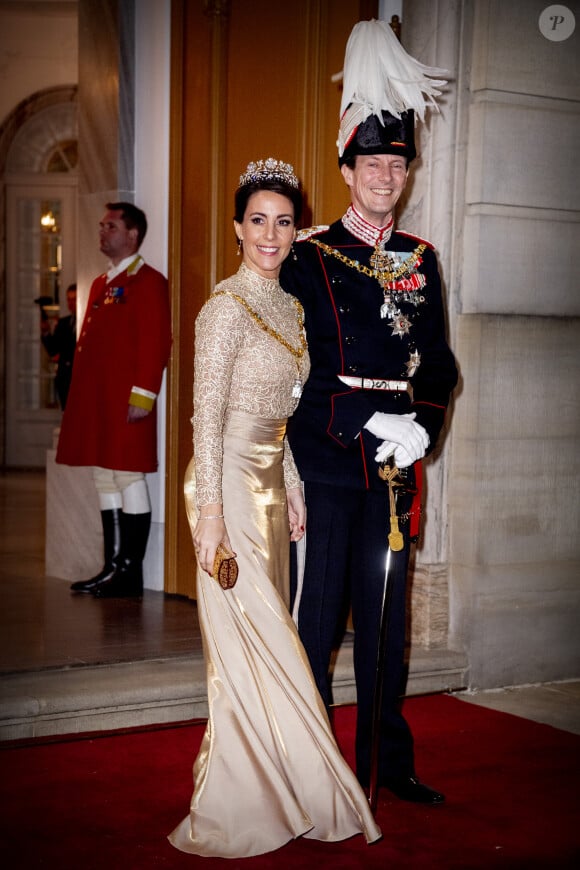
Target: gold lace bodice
[[239, 366]]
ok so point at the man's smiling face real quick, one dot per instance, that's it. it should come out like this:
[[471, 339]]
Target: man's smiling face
[[376, 182]]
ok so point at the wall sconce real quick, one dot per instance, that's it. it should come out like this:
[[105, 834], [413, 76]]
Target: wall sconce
[[48, 221]]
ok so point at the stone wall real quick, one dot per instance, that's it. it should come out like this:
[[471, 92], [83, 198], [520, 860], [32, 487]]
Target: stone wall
[[507, 172]]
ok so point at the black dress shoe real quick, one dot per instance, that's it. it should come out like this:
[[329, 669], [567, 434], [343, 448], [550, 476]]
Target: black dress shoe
[[408, 788], [93, 583], [126, 582]]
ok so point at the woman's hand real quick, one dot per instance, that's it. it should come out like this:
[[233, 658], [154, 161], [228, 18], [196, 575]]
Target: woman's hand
[[296, 513], [209, 531]]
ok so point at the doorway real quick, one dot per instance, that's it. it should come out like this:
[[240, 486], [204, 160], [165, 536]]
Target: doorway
[[40, 264], [41, 253]]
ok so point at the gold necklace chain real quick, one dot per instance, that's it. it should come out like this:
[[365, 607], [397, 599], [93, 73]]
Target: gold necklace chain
[[298, 353], [382, 275]]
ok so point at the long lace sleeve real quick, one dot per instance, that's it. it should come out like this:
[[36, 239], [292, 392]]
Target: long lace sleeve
[[291, 476], [218, 337]]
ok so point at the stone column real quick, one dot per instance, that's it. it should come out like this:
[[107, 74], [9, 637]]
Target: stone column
[[430, 210]]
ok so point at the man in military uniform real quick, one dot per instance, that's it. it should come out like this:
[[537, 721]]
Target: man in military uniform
[[110, 421], [381, 378]]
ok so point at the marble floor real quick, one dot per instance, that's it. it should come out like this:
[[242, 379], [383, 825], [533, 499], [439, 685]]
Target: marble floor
[[46, 632]]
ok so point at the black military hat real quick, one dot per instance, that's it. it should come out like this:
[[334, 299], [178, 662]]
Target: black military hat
[[393, 136], [384, 88]]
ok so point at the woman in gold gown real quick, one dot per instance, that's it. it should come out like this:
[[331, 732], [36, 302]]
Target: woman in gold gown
[[268, 769]]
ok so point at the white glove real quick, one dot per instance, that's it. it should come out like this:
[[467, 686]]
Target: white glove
[[401, 457], [401, 436]]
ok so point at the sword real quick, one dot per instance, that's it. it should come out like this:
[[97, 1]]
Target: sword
[[388, 472]]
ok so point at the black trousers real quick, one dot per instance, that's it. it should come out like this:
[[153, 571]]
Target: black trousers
[[346, 551]]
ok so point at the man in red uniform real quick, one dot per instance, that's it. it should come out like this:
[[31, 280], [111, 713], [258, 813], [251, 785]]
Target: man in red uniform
[[110, 421]]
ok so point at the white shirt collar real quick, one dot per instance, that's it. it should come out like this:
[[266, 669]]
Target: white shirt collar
[[126, 264]]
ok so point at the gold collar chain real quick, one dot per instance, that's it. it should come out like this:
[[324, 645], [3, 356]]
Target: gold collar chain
[[383, 276], [299, 352]]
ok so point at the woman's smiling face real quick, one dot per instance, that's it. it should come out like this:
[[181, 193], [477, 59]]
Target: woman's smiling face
[[267, 232]]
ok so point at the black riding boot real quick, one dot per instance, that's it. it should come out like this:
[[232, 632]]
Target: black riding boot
[[111, 520], [127, 581]]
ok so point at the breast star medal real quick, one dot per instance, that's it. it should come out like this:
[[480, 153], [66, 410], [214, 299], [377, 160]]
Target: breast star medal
[[401, 325], [413, 363]]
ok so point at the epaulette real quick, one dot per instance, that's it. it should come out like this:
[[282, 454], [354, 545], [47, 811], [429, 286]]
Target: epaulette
[[304, 235], [417, 239]]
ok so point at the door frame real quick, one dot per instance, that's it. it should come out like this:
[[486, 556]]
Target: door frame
[[29, 432]]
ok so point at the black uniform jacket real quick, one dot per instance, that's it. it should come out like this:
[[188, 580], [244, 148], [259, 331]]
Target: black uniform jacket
[[347, 336], [62, 342]]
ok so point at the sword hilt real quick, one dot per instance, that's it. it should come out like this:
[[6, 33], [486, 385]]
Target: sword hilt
[[389, 472], [395, 536]]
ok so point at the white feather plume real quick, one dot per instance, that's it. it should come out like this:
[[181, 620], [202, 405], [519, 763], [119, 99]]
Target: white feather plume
[[379, 74]]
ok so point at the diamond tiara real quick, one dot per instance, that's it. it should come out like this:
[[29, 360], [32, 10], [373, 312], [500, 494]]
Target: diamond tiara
[[265, 170]]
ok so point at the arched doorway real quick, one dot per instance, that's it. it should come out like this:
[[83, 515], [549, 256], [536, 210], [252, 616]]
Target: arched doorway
[[40, 191]]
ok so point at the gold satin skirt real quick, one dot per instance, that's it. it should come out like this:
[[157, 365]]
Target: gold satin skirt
[[268, 769]]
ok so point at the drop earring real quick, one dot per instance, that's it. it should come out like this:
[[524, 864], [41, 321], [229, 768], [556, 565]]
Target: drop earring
[[294, 257], [239, 247]]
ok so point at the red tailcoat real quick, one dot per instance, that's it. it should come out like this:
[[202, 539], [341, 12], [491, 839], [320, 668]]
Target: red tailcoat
[[124, 343]]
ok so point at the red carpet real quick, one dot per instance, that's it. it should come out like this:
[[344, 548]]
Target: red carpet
[[108, 802]]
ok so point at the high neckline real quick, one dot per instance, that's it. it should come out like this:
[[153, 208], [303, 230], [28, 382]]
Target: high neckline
[[257, 282], [366, 232]]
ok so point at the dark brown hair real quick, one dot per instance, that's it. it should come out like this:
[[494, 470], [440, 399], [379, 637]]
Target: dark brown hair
[[132, 217], [245, 191]]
